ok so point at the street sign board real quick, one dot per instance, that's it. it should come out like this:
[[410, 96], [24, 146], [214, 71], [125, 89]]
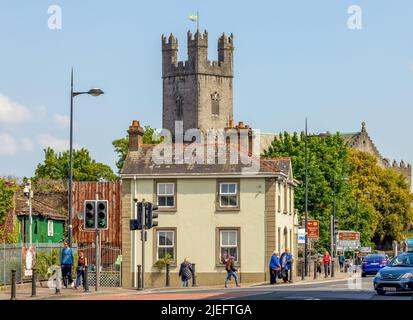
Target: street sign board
[[301, 235], [348, 240], [348, 235], [312, 229]]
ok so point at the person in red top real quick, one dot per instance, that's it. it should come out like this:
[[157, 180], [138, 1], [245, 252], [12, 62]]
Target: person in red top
[[326, 263]]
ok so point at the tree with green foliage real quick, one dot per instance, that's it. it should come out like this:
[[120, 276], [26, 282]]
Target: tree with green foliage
[[6, 199], [56, 166], [389, 197], [376, 201], [327, 161], [122, 145]]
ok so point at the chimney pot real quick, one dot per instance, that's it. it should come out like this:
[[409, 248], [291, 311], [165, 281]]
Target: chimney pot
[[241, 124], [231, 123]]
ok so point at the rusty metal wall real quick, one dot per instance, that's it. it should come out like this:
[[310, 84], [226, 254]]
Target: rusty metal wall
[[110, 191]]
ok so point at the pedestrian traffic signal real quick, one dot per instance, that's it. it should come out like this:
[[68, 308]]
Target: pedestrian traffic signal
[[134, 224], [102, 214], [151, 215], [89, 221], [335, 221]]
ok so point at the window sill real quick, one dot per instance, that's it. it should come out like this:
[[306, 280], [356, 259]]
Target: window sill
[[229, 209], [167, 209]]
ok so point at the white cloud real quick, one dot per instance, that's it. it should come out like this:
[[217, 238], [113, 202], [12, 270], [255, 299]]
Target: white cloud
[[12, 112], [62, 120], [8, 145], [47, 140]]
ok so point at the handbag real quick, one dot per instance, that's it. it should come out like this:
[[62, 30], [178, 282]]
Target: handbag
[[79, 268]]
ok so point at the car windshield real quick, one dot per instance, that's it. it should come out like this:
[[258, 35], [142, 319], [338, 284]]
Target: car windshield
[[403, 260], [375, 257]]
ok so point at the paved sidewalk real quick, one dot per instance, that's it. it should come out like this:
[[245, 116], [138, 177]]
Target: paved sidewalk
[[45, 293]]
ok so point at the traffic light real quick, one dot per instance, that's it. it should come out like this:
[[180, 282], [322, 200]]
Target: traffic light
[[335, 221], [102, 214], [136, 224], [151, 215], [90, 215]]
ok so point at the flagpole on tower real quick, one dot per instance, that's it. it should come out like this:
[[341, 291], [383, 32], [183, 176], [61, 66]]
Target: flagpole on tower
[[197, 20]]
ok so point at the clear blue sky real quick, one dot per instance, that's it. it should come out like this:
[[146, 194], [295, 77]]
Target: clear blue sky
[[292, 59]]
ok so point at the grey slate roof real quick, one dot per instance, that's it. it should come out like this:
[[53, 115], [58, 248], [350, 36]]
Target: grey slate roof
[[141, 163]]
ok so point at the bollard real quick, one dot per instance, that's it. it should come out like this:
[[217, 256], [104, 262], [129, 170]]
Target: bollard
[[58, 276], [315, 269], [33, 282], [139, 277], [290, 275], [13, 285], [332, 267], [193, 275], [302, 270], [86, 279], [167, 275]]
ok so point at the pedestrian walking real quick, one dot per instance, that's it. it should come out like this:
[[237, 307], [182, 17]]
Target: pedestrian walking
[[80, 269], [341, 261], [66, 262], [286, 264], [185, 272], [319, 263], [231, 270], [326, 263], [274, 267]]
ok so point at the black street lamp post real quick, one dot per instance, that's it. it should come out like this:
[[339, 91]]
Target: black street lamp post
[[93, 92]]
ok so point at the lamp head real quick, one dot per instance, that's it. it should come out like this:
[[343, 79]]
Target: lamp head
[[95, 92]]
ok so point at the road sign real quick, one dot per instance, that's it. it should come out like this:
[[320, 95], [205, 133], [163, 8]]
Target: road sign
[[312, 229], [348, 240], [301, 235], [348, 235]]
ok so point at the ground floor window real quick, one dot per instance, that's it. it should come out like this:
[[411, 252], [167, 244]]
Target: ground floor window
[[165, 244], [229, 244]]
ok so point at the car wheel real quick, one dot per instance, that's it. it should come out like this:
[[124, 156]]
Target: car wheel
[[381, 292]]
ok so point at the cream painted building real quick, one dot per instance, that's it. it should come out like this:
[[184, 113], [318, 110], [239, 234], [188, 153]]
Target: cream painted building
[[205, 212]]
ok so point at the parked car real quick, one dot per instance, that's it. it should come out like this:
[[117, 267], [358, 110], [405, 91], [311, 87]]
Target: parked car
[[397, 276], [373, 263]]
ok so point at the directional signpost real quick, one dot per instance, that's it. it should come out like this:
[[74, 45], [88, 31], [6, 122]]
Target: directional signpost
[[312, 229], [349, 240]]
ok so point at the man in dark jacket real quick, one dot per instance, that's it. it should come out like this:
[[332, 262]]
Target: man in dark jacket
[[185, 272], [66, 261], [274, 267]]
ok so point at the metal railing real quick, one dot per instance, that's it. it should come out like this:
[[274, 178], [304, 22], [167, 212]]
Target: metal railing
[[11, 259]]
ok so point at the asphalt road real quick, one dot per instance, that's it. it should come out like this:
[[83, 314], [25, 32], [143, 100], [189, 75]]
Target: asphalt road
[[360, 289], [339, 290]]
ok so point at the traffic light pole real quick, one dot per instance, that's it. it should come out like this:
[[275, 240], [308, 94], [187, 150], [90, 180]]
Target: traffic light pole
[[143, 243], [97, 259]]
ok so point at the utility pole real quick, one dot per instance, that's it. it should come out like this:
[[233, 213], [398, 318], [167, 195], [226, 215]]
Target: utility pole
[[29, 194], [306, 200]]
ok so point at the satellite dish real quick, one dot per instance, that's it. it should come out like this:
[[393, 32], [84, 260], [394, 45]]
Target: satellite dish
[[80, 215]]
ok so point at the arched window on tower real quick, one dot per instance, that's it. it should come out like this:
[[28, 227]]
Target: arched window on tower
[[215, 98], [179, 107]]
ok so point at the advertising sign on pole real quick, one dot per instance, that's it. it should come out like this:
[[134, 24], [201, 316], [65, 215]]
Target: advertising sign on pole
[[29, 259], [301, 235]]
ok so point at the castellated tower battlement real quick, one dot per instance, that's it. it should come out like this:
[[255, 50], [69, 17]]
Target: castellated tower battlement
[[197, 56], [197, 91]]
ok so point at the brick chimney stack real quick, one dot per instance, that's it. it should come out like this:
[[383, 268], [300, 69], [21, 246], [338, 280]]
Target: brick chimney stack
[[135, 136]]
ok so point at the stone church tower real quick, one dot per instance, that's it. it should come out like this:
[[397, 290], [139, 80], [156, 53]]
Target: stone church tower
[[197, 91]]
